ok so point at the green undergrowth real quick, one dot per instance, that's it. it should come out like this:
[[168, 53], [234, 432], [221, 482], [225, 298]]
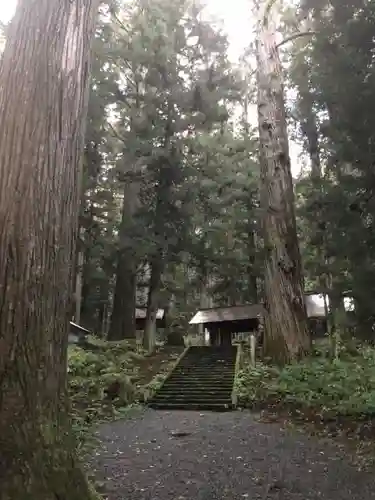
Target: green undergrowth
[[344, 386], [330, 397], [108, 381]]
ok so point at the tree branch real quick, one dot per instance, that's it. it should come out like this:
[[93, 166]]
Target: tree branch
[[116, 134], [266, 13], [294, 36], [119, 22]]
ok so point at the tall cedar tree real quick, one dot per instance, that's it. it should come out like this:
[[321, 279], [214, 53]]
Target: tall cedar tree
[[338, 215], [43, 92], [286, 333], [163, 105]]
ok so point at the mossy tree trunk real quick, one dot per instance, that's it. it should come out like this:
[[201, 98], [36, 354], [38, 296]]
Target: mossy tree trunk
[[43, 99], [286, 332]]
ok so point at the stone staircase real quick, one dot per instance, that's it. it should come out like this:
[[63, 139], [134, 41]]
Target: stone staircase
[[202, 380]]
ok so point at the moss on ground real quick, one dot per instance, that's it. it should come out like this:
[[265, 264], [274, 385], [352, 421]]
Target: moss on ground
[[334, 397], [107, 379]]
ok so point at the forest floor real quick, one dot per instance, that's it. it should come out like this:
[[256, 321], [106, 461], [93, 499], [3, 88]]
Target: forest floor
[[177, 455], [160, 362], [106, 380]]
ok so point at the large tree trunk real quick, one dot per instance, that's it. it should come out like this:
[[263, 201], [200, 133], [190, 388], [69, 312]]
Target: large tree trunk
[[149, 334], [310, 130], [252, 287], [161, 233], [122, 324], [172, 334], [203, 301], [306, 101], [79, 279], [203, 288], [43, 100], [286, 332], [123, 314]]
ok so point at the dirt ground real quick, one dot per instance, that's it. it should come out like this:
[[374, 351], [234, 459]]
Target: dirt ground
[[160, 455], [160, 361]]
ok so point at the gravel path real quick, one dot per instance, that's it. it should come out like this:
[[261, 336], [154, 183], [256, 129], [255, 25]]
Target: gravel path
[[221, 456]]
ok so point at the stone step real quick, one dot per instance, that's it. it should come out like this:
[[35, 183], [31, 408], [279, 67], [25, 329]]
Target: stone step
[[214, 356], [201, 371], [206, 364], [187, 384], [193, 397], [218, 360], [217, 366], [209, 351], [203, 376], [192, 406], [194, 394], [195, 374], [206, 373], [203, 380], [206, 367], [196, 390], [198, 402], [212, 348], [218, 398]]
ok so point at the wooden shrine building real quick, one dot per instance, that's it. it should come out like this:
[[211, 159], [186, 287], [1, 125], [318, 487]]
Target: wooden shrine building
[[140, 318], [223, 323]]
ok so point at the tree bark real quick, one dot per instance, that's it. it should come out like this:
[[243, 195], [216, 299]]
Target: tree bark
[[306, 100], [43, 100], [251, 273], [78, 281], [252, 288], [286, 332], [173, 334], [123, 314], [203, 301], [167, 164], [122, 325], [310, 130], [149, 334], [92, 163]]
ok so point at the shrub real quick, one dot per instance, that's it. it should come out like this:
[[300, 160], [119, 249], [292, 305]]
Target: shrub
[[100, 383], [106, 379], [342, 387]]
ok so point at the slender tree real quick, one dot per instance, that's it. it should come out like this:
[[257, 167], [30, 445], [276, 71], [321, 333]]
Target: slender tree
[[43, 92], [286, 334]]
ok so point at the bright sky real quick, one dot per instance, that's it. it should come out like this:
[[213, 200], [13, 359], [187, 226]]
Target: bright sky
[[7, 11], [237, 23], [235, 14]]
